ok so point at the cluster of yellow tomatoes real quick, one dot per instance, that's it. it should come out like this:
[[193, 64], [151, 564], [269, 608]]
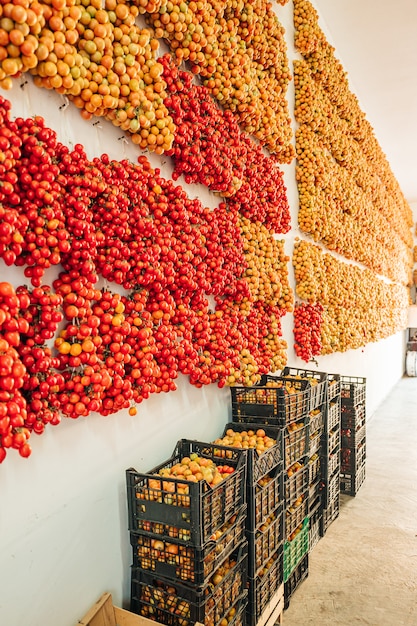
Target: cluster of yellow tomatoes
[[340, 193], [95, 54], [238, 49], [269, 294], [358, 308], [350, 202]]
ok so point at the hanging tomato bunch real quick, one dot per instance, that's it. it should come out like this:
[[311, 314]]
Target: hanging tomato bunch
[[13, 413], [349, 197], [308, 322], [42, 382], [96, 56], [210, 149], [357, 307], [85, 349], [238, 50], [350, 202]]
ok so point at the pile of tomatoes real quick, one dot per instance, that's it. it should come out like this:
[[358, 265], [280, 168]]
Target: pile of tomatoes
[[209, 148], [13, 429], [84, 348], [308, 326]]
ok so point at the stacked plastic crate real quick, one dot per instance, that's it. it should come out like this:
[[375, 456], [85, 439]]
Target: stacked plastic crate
[[353, 434], [265, 518], [188, 538], [284, 405], [296, 483], [317, 417], [331, 453]]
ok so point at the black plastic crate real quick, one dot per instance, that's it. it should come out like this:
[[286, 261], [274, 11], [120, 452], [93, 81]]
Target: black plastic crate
[[264, 587], [353, 417], [315, 442], [351, 483], [314, 468], [352, 438], [315, 490], [317, 380], [353, 458], [333, 464], [333, 386], [264, 497], [296, 484], [296, 549], [314, 504], [264, 542], [236, 615], [294, 517], [296, 443], [330, 514], [316, 420], [353, 390], [176, 604], [333, 415], [331, 488], [163, 604], [182, 561], [259, 463], [285, 402], [297, 577], [314, 532], [333, 440], [194, 510]]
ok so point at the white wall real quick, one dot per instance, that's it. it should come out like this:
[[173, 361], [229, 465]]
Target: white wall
[[63, 517]]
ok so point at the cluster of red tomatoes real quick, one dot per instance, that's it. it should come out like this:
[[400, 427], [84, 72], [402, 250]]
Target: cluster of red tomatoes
[[79, 348], [308, 322], [210, 149], [13, 431]]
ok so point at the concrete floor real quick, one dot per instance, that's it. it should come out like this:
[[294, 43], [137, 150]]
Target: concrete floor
[[364, 569]]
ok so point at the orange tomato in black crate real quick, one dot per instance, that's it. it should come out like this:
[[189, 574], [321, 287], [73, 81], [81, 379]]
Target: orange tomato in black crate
[[333, 415], [317, 380], [180, 560], [333, 464], [296, 442], [265, 541], [296, 481], [264, 587], [275, 401], [314, 468], [264, 450], [333, 386], [263, 446], [192, 494], [316, 421], [264, 496], [294, 516], [174, 603]]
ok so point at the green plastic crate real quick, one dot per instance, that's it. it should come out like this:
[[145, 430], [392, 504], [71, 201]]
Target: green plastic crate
[[295, 550]]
